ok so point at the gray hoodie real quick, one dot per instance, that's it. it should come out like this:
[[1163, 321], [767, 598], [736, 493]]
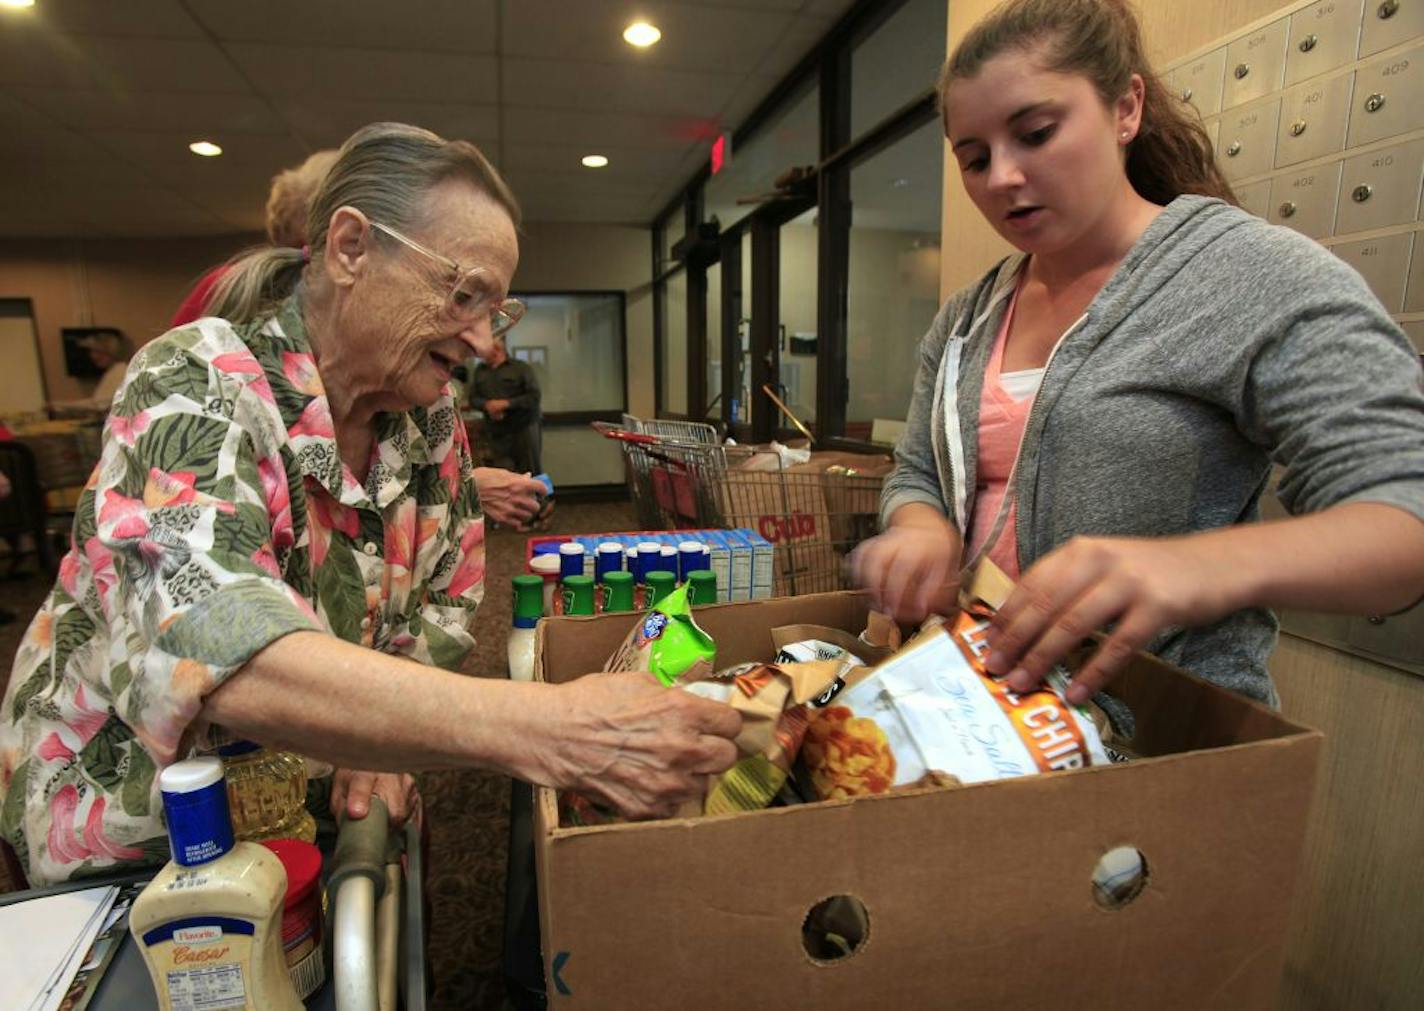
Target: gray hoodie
[[1220, 345]]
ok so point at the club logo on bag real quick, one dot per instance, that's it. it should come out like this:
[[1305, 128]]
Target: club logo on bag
[[787, 528], [653, 625], [826, 697]]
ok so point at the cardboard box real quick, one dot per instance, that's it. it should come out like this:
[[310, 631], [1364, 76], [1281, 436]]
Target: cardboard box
[[977, 897]]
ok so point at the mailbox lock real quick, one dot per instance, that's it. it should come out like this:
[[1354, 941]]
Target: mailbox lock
[[1242, 69], [1287, 209], [1374, 103], [1362, 193], [1297, 128], [1233, 149], [1308, 43], [1387, 9]]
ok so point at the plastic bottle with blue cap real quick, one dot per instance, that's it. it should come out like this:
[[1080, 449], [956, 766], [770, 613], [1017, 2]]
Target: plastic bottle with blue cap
[[209, 925]]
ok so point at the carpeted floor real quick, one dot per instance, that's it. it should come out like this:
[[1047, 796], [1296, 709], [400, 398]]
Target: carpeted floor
[[468, 811]]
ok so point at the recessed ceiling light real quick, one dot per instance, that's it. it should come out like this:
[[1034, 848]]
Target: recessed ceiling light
[[641, 34], [594, 160], [17, 3], [206, 148]]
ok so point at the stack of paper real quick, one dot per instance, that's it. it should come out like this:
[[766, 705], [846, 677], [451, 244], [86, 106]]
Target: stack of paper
[[46, 940]]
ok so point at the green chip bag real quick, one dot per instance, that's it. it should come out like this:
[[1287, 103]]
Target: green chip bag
[[667, 642]]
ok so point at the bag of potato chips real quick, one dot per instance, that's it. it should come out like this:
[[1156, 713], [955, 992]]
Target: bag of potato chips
[[667, 642], [933, 709], [773, 700]]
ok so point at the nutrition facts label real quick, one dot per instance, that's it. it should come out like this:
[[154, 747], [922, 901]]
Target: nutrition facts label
[[216, 989]]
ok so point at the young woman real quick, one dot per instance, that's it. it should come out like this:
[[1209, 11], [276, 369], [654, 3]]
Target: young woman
[[1100, 412]]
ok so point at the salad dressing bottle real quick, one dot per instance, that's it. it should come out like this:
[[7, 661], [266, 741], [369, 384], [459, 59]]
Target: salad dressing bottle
[[209, 925]]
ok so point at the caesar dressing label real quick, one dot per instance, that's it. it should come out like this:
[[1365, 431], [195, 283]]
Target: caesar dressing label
[[218, 988]]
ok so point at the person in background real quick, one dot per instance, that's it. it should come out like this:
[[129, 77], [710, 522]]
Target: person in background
[[288, 202], [507, 391], [109, 353], [1100, 413], [283, 543]]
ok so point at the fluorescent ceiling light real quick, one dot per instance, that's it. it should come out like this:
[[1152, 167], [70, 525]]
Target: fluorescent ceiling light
[[205, 148], [641, 34], [594, 160]]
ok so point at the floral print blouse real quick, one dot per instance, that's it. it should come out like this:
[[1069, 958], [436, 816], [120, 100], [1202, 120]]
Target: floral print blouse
[[219, 518]]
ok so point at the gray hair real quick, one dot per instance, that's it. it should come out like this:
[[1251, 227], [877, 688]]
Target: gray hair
[[383, 170]]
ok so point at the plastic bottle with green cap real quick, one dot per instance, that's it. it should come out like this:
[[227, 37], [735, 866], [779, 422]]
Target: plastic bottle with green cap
[[528, 609], [578, 594], [702, 587], [618, 591], [660, 584]]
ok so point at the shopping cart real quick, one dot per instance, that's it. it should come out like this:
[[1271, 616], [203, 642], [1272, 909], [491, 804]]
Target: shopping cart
[[814, 512]]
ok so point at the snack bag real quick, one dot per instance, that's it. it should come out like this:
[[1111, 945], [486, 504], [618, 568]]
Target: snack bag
[[932, 708], [773, 700], [667, 642]]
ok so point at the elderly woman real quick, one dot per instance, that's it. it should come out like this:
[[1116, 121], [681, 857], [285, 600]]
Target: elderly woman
[[283, 539]]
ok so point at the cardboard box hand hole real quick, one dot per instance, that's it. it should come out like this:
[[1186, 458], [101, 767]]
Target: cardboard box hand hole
[[1119, 877], [835, 928]]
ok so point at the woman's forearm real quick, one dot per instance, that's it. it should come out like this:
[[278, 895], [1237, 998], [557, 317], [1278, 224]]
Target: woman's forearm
[[355, 707], [1361, 558]]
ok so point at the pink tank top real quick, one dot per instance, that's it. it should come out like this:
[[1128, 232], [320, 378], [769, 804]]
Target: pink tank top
[[1001, 428]]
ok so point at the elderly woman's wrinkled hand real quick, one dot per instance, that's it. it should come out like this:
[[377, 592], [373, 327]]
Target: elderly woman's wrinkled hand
[[628, 741], [506, 497], [352, 790]]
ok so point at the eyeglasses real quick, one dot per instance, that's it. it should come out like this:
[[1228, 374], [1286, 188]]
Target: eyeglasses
[[471, 296]]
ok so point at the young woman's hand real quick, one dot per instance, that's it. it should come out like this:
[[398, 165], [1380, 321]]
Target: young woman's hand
[[1139, 586], [912, 569]]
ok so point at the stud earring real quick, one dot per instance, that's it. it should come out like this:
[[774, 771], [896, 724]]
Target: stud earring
[[1124, 135]]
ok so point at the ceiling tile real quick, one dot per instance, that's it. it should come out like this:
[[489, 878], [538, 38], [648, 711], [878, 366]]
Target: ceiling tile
[[157, 18], [89, 109], [642, 167], [129, 64], [724, 40], [608, 88], [284, 71], [167, 153], [462, 26], [327, 122], [613, 129]]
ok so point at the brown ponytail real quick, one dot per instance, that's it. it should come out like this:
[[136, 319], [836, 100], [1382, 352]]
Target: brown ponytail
[[1101, 41]]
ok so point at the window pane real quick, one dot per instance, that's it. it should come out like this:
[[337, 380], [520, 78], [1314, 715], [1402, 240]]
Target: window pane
[[674, 227], [713, 364], [897, 63], [894, 273], [789, 138], [675, 344], [798, 316], [741, 404], [575, 344]]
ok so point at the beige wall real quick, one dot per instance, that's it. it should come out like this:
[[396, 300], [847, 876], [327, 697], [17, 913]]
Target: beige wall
[[599, 257], [1171, 28], [132, 284]]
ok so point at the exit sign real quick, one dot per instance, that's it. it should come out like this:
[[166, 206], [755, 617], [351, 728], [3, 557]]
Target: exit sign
[[721, 152]]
